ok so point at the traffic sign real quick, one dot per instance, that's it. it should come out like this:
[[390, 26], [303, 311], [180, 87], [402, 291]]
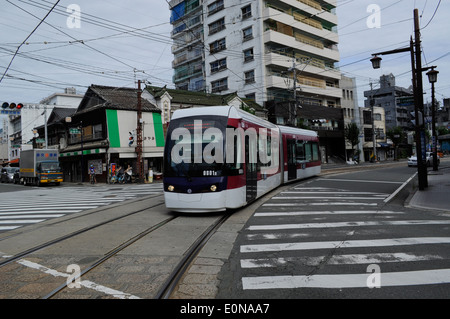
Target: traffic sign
[[74, 131]]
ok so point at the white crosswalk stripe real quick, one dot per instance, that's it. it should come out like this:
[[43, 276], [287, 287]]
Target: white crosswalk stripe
[[277, 252], [35, 205]]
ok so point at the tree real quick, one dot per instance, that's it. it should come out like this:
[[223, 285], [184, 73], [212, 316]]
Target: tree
[[352, 134], [397, 136]]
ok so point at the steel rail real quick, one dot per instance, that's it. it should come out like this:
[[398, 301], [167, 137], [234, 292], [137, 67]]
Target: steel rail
[[170, 285], [73, 234], [112, 253]]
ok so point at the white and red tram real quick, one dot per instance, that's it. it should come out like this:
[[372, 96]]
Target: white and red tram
[[220, 157]]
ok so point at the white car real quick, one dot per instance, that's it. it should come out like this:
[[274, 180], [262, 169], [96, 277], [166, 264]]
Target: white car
[[412, 161]]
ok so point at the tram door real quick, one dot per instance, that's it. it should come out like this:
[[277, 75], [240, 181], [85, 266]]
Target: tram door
[[250, 170], [292, 166]]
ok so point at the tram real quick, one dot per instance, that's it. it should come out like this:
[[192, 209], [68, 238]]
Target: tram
[[220, 157]]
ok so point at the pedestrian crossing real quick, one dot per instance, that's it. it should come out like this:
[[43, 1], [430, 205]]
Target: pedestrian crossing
[[36, 205], [292, 243]]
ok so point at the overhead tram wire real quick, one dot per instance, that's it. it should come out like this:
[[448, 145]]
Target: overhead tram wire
[[73, 38], [112, 25], [108, 24], [90, 47], [23, 42], [437, 7]]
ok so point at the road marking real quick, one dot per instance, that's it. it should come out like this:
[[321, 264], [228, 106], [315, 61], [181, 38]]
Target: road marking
[[33, 216], [85, 283], [335, 192], [350, 224], [399, 189], [388, 279], [343, 244], [325, 197], [344, 212], [22, 221], [321, 204], [8, 227], [357, 181], [337, 260], [45, 209]]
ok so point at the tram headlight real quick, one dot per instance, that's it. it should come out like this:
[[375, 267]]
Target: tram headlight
[[213, 188], [170, 188]]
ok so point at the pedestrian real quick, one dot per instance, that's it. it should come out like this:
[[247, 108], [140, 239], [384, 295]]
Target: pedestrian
[[128, 173], [92, 174]]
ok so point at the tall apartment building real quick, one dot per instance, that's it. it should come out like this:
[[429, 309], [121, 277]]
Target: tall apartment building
[[260, 49], [389, 96]]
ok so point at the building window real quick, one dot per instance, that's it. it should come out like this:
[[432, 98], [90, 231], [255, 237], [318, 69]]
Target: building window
[[217, 26], [247, 34], [368, 134], [280, 120], [215, 7], [218, 65], [219, 85], [246, 12], [367, 117], [248, 55], [249, 76], [251, 96], [217, 46]]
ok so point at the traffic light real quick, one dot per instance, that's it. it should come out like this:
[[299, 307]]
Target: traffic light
[[17, 106], [130, 139]]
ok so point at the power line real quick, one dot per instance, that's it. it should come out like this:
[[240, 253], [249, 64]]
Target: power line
[[437, 7], [18, 48]]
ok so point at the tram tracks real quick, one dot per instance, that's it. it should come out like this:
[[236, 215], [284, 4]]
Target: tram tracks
[[165, 289]]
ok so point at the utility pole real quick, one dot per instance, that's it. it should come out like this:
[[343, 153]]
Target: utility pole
[[416, 67], [422, 169], [139, 164], [293, 113], [374, 137]]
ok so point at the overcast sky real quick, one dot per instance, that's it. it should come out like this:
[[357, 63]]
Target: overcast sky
[[118, 42]]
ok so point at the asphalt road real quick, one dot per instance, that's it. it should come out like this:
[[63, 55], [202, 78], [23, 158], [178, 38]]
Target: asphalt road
[[340, 236]]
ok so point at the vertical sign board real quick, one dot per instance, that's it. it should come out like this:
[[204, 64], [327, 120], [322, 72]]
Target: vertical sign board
[[423, 145], [122, 123]]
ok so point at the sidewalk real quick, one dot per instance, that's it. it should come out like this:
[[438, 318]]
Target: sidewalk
[[437, 195]]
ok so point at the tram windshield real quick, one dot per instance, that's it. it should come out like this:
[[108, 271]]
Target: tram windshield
[[195, 147]]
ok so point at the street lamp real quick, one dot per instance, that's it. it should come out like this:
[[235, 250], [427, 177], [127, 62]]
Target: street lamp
[[376, 62], [416, 68], [432, 78]]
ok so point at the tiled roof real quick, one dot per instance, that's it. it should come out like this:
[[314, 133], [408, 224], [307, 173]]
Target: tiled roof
[[98, 96], [199, 98]]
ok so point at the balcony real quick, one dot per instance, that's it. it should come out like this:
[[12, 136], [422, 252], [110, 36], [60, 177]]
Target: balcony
[[282, 39], [301, 22], [307, 64], [307, 85]]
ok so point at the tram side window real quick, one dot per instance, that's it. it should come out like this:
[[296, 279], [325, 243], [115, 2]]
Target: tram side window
[[300, 151], [315, 151], [265, 151], [308, 152], [237, 160]]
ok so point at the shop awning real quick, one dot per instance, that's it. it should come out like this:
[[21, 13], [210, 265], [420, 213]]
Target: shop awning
[[85, 152]]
